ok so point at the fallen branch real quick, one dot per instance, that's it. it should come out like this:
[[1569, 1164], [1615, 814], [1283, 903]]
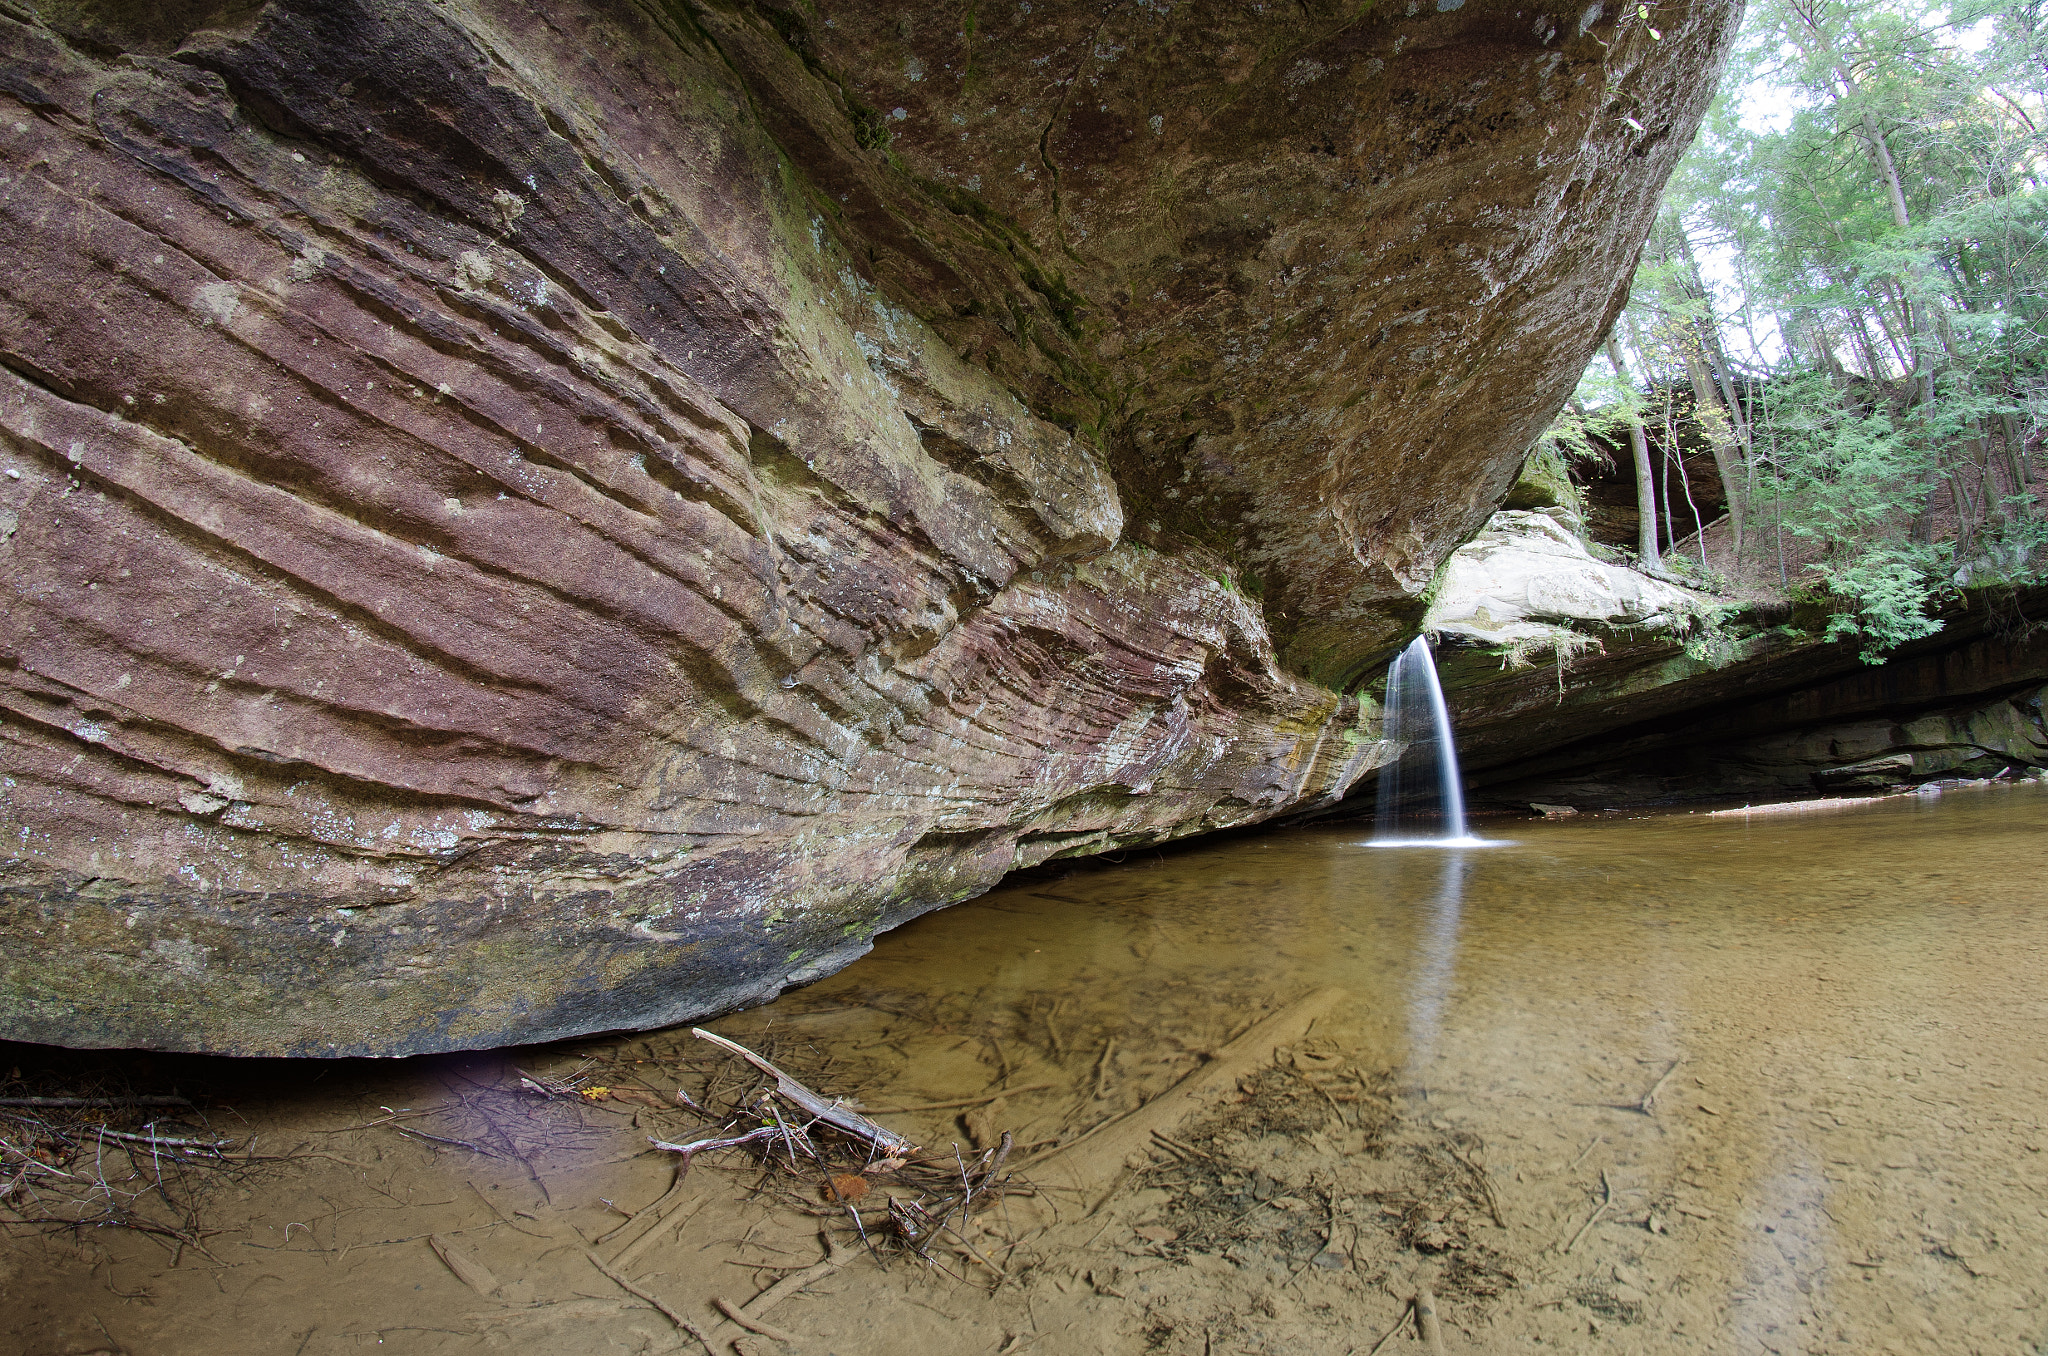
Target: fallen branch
[[670, 1224], [963, 1102], [660, 1306], [834, 1113], [1101, 1162], [1598, 1211], [1407, 1308], [409, 1114], [1426, 1324], [656, 1209], [1173, 1145], [835, 1258], [452, 1143], [1648, 1103], [165, 1141], [995, 1165], [750, 1323], [468, 1270], [1484, 1181], [972, 1251], [1794, 807], [700, 1146]]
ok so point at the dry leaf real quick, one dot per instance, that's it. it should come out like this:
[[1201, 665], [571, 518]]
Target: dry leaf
[[846, 1186]]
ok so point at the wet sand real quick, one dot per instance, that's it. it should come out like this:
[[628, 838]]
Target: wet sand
[[1846, 1151]]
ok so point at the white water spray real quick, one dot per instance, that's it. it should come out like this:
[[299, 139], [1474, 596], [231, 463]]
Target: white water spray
[[1418, 718]]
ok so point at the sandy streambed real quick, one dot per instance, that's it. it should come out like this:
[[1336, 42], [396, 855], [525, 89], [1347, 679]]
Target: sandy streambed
[[1841, 1015]]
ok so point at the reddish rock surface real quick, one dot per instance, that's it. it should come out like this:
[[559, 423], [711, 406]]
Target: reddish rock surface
[[521, 522]]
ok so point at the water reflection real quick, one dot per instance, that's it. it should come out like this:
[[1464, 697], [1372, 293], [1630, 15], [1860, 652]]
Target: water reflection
[[1787, 1259], [1436, 958], [1816, 984]]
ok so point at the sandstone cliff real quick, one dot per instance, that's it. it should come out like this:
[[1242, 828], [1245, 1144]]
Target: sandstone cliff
[[525, 520]]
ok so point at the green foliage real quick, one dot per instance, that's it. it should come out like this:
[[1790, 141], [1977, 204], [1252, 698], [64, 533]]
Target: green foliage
[[871, 130], [1600, 408], [1894, 231], [1889, 589], [1854, 480]]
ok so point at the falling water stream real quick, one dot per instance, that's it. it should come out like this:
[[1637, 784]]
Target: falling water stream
[[1421, 800]]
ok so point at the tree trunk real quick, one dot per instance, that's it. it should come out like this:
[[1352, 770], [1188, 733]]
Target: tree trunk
[[1708, 328], [1646, 488], [1922, 368], [1720, 441]]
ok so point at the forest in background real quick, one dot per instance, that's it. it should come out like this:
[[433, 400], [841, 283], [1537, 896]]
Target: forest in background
[[1846, 311]]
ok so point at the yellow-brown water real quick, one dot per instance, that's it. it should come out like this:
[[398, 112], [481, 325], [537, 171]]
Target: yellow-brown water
[[1847, 1154]]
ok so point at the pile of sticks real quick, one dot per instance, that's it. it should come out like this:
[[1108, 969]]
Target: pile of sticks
[[824, 1156], [111, 1160]]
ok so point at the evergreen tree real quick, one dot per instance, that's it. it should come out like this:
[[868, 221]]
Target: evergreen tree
[[1872, 376]]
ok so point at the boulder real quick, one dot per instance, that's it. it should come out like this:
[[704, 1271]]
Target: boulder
[[521, 523], [1528, 585]]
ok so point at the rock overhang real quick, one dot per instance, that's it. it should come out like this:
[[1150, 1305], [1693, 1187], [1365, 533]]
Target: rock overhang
[[523, 529], [1313, 284]]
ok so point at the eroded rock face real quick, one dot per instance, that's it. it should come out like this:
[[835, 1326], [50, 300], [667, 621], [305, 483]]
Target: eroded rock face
[[526, 522], [1316, 276], [1786, 721]]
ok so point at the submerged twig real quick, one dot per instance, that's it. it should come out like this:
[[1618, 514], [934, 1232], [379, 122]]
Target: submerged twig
[[962, 1102], [995, 1165], [1484, 1181], [1648, 1104], [1407, 1308], [165, 1141], [1426, 1325], [451, 1143], [831, 1111], [698, 1146], [675, 1189], [835, 1258], [751, 1323], [660, 1306], [1599, 1210]]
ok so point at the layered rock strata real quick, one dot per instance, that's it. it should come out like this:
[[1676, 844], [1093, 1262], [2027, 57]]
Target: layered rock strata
[[521, 522], [1777, 720], [1528, 584]]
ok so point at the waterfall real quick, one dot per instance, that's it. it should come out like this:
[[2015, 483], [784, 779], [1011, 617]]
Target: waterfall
[[1417, 717]]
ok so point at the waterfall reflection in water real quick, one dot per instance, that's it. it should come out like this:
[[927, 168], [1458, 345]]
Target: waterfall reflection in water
[[1436, 958], [1797, 973]]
